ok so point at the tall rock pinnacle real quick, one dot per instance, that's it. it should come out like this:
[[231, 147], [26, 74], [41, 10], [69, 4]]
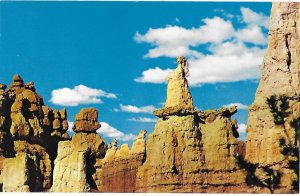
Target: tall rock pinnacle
[[178, 93], [276, 108]]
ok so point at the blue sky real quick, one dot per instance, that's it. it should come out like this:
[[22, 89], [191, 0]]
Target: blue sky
[[118, 55]]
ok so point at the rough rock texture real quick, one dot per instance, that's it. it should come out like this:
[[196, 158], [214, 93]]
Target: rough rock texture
[[269, 125], [117, 171], [29, 134], [190, 150], [75, 162]]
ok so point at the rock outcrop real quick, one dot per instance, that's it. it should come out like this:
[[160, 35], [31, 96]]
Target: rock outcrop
[[274, 115], [75, 162]]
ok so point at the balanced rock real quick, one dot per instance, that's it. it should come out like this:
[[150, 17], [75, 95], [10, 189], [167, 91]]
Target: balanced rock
[[86, 121]]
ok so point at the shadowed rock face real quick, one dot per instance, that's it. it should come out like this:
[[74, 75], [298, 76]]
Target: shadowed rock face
[[277, 101]]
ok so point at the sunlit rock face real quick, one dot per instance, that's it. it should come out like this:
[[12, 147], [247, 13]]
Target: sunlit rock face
[[274, 114], [190, 150]]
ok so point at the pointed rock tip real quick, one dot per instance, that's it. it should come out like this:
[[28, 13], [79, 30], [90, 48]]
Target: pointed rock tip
[[17, 78]]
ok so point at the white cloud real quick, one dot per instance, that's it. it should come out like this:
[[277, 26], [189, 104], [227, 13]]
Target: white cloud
[[228, 57], [252, 34], [173, 41], [134, 109], [155, 75], [111, 132], [242, 128], [142, 119], [78, 95], [253, 18], [228, 62], [239, 106]]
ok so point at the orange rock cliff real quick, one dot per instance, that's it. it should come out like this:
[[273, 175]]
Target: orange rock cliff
[[188, 151]]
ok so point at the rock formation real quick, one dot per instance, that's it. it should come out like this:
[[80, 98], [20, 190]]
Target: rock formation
[[275, 112], [117, 171], [29, 134], [190, 150], [74, 165]]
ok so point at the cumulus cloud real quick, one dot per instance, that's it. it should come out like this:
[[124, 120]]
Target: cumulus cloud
[[228, 58], [252, 34], [142, 119], [239, 106], [253, 18], [173, 41], [242, 128], [79, 95], [134, 109], [155, 75], [229, 62], [111, 132]]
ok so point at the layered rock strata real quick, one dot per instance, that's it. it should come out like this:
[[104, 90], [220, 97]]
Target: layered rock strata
[[275, 112]]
